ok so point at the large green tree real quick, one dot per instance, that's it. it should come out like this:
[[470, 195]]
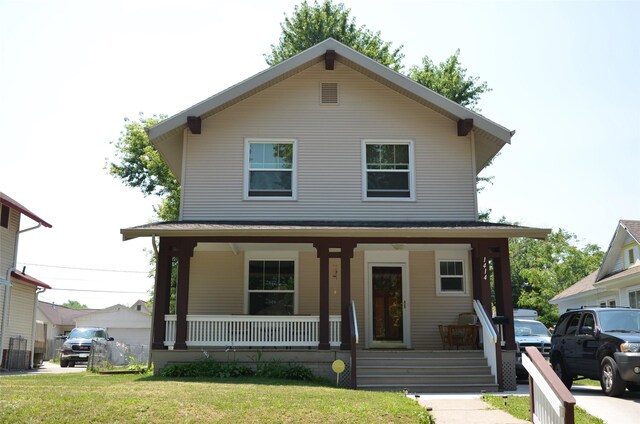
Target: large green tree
[[540, 269], [139, 164], [309, 25], [74, 304]]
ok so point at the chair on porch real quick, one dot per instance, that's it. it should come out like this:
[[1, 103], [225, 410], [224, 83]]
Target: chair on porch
[[464, 333]]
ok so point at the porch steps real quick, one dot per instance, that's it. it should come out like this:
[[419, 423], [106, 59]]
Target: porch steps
[[424, 371]]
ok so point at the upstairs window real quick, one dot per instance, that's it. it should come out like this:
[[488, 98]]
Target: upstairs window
[[270, 169], [630, 255], [388, 170]]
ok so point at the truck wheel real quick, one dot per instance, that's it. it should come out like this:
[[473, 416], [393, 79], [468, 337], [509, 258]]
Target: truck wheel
[[64, 363], [72, 364], [561, 372], [610, 381]]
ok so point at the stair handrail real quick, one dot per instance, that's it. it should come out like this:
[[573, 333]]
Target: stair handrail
[[489, 338], [353, 329]]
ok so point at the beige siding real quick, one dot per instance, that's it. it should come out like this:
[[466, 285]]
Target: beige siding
[[216, 285], [308, 284], [21, 312], [329, 156], [8, 237], [427, 309]]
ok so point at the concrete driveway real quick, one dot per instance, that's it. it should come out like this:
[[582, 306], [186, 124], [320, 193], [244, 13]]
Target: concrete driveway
[[46, 368], [611, 410]]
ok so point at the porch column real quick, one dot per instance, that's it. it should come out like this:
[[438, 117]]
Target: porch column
[[481, 280], [346, 253], [323, 329], [161, 294], [504, 292], [185, 252]]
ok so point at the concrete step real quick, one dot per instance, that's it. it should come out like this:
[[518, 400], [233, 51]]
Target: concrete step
[[431, 388], [482, 369], [418, 362], [406, 353], [406, 379]]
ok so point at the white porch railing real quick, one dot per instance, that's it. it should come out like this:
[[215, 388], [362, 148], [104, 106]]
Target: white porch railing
[[489, 338], [252, 330], [551, 401]]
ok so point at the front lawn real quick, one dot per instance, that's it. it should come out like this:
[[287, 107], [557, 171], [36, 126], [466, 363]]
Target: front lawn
[[518, 406], [86, 397]]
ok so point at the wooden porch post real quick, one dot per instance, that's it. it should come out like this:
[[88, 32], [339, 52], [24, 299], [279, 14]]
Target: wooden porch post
[[323, 329], [185, 252], [346, 253], [481, 280], [161, 294], [504, 292]]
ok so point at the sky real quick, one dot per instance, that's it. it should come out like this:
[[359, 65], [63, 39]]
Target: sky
[[564, 76]]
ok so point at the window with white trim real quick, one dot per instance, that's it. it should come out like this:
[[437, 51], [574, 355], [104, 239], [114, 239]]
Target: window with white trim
[[451, 273], [270, 169], [271, 287], [387, 168], [634, 298], [630, 255]]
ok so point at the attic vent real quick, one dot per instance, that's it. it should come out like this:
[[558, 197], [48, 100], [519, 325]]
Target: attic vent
[[329, 93]]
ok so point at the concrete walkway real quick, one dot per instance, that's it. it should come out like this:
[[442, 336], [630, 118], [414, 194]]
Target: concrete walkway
[[467, 411]]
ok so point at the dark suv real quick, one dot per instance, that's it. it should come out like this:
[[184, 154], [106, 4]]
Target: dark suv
[[77, 347], [601, 344]]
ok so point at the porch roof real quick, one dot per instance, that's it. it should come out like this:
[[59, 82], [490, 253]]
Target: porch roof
[[391, 229]]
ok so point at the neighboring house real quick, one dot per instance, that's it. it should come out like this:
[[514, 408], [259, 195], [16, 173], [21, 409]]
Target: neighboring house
[[325, 181], [18, 291], [617, 281], [125, 324]]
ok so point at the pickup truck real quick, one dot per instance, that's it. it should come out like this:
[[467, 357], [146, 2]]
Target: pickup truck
[[77, 347]]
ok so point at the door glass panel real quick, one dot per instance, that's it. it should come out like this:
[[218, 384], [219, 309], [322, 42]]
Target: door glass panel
[[387, 303]]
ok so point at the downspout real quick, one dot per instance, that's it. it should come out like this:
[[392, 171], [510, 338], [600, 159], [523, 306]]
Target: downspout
[[33, 328], [7, 288]]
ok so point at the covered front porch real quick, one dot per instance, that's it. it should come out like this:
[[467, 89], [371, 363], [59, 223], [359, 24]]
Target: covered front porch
[[314, 286]]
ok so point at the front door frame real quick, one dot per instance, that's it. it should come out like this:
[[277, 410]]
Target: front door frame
[[387, 258]]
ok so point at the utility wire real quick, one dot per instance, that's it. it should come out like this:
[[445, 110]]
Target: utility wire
[[85, 269], [100, 291]]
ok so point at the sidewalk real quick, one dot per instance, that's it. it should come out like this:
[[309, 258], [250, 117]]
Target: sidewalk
[[464, 408]]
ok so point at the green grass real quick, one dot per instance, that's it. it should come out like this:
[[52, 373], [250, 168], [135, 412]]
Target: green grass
[[518, 406], [587, 382], [87, 397]]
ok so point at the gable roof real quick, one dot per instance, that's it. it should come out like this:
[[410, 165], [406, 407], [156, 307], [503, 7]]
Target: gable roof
[[61, 315], [167, 135], [624, 228], [8, 201]]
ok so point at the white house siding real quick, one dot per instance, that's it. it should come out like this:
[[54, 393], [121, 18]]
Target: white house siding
[[329, 150], [618, 265], [427, 309], [21, 313]]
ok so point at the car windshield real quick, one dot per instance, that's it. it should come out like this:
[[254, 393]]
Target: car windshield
[[620, 321], [530, 328], [87, 333]]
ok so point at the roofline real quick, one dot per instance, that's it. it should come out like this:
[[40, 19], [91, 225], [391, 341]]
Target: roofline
[[340, 231], [599, 276], [29, 280], [180, 119], [8, 201]]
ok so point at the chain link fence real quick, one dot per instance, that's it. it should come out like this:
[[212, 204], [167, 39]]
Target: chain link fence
[[17, 355], [108, 355]]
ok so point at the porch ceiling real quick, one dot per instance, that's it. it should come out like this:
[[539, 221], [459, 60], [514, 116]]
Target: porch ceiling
[[236, 230]]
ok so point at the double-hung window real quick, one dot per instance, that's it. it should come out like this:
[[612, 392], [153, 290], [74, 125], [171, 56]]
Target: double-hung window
[[270, 169], [388, 170], [271, 287], [451, 273]]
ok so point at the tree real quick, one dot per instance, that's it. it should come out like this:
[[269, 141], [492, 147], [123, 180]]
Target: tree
[[540, 269], [309, 25], [74, 304], [450, 79], [139, 164]]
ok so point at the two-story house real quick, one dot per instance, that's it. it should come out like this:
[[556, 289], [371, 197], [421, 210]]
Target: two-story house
[[18, 291], [327, 192], [617, 281]]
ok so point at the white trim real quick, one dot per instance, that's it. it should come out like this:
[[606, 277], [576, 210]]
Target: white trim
[[270, 256], [472, 142], [185, 138], [627, 291], [389, 258], [411, 170], [626, 263], [453, 255], [294, 168]]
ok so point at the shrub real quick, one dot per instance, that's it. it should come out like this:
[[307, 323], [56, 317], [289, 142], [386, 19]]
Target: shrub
[[214, 369]]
